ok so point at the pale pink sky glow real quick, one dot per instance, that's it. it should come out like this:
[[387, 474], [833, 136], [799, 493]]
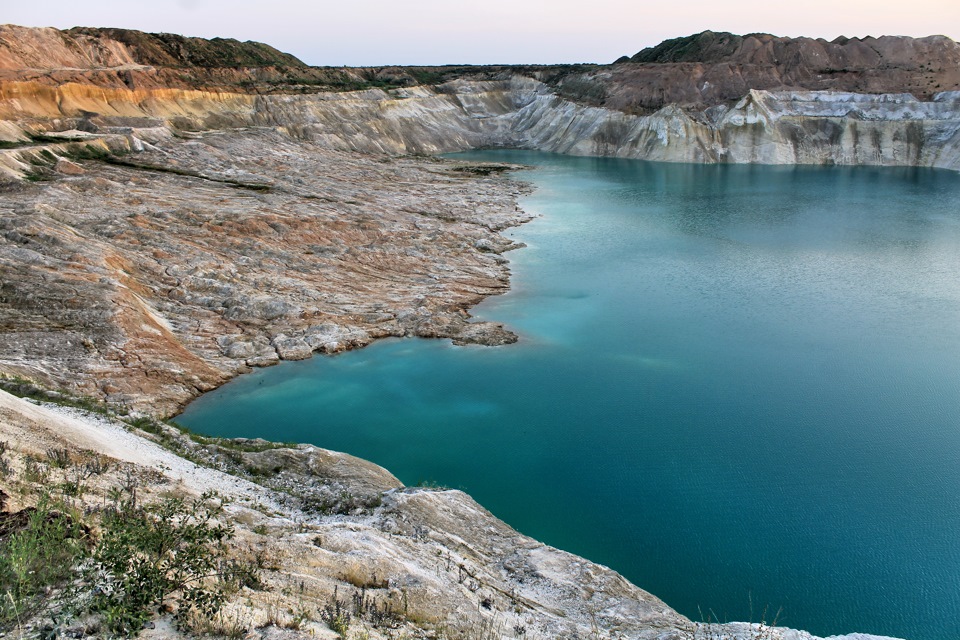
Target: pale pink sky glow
[[376, 32]]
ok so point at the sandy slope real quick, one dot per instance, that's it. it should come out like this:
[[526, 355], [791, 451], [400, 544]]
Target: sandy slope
[[36, 428]]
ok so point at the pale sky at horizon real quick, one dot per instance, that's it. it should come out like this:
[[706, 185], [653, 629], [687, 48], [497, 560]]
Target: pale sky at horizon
[[377, 32]]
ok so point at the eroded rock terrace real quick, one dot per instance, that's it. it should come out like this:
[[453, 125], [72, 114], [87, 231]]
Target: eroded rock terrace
[[146, 287]]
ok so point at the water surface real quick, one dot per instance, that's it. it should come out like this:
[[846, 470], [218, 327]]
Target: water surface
[[739, 386]]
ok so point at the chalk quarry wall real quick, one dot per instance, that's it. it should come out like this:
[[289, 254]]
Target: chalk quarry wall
[[786, 127], [801, 127], [285, 143]]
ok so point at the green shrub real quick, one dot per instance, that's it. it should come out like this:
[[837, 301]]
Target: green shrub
[[6, 469], [143, 557], [87, 152], [39, 551], [59, 458], [146, 555]]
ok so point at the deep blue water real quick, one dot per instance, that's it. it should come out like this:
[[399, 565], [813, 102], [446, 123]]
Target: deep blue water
[[734, 384]]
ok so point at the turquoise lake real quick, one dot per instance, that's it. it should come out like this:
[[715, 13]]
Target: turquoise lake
[[734, 385]]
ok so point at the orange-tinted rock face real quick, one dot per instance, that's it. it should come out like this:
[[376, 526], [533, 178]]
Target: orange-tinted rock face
[[25, 100], [146, 288], [48, 48]]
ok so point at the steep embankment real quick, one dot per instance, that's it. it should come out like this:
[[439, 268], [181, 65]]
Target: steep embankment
[[711, 97], [795, 127], [787, 127]]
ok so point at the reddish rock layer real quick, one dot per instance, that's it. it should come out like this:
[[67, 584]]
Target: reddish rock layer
[[713, 68]]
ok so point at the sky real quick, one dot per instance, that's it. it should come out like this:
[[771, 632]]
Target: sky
[[424, 32]]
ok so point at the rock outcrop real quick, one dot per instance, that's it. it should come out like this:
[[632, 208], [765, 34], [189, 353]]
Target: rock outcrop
[[790, 127], [786, 127], [148, 282]]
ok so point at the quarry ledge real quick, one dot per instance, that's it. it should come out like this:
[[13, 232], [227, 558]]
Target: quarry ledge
[[187, 281]]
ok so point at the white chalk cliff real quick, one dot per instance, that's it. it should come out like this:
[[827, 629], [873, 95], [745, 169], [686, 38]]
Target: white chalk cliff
[[782, 127]]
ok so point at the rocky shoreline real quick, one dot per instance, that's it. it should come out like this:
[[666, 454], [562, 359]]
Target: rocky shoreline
[[146, 281], [180, 243], [395, 246], [326, 528]]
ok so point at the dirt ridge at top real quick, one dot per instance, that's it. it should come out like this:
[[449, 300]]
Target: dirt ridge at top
[[695, 71], [174, 50]]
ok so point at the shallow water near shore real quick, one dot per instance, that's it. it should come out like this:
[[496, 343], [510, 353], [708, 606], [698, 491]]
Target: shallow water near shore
[[739, 386]]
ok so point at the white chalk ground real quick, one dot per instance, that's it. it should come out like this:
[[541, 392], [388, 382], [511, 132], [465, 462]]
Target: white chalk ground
[[35, 428]]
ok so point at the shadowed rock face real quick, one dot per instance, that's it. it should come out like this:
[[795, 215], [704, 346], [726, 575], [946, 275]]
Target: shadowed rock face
[[715, 68]]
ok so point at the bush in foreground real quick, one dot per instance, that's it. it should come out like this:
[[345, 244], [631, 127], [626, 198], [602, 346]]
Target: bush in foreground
[[143, 558]]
